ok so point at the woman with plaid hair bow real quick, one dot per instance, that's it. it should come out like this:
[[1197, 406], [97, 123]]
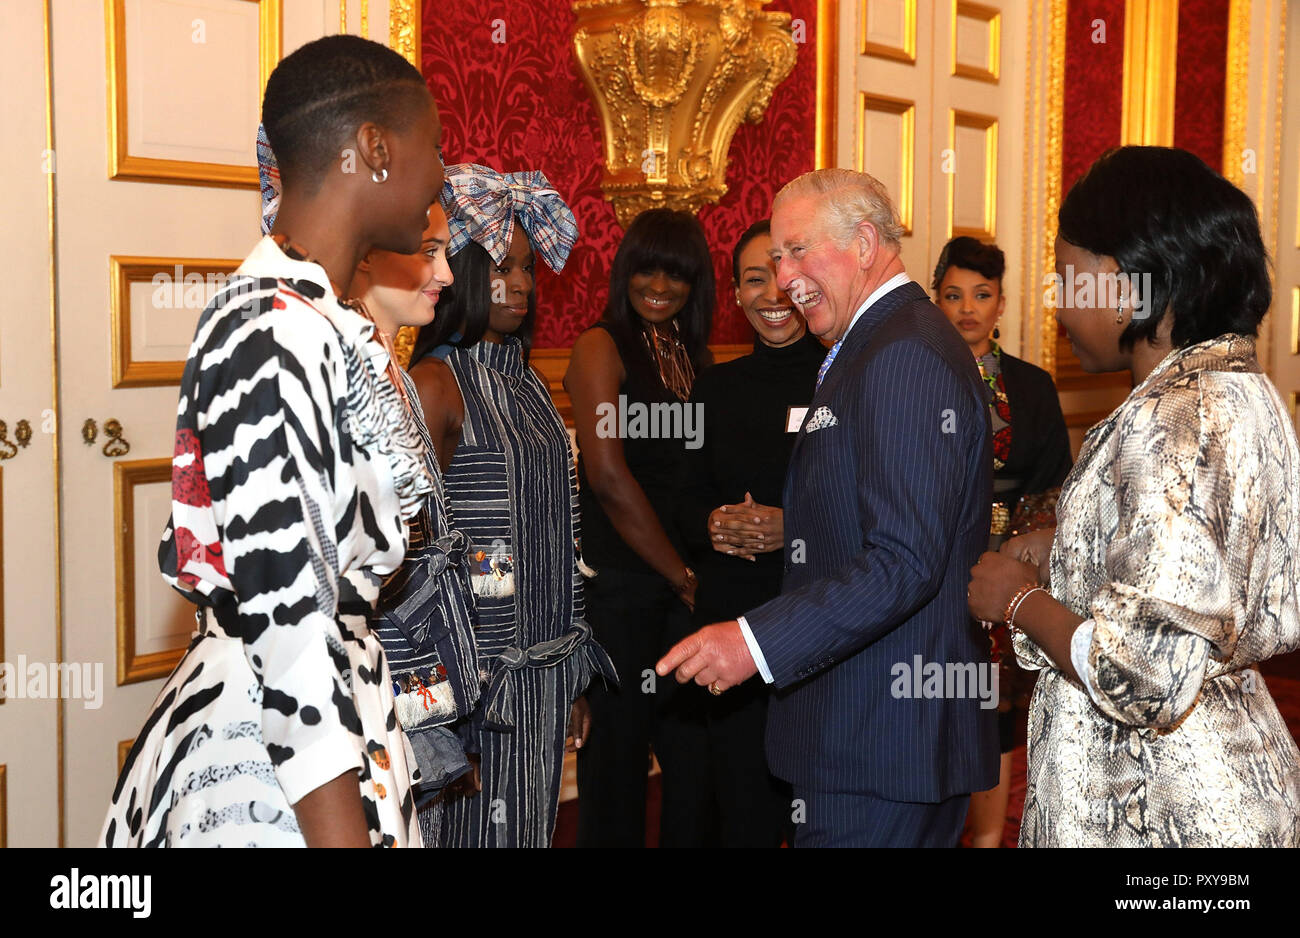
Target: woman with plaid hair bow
[[511, 482]]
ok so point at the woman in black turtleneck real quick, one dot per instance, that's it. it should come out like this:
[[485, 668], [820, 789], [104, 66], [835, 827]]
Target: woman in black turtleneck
[[731, 518]]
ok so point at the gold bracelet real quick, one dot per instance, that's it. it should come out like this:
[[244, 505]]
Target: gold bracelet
[[1016, 604], [1020, 594]]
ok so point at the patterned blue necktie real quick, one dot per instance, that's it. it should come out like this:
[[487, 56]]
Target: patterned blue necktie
[[830, 357]]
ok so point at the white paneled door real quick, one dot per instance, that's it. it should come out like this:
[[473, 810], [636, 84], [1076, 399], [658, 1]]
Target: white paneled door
[[931, 101], [138, 194]]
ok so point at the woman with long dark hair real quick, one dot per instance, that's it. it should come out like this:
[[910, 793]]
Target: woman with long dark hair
[[638, 362], [511, 486], [296, 466], [1173, 568]]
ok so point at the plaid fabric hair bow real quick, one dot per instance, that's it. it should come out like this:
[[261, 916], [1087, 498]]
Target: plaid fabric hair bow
[[269, 173], [482, 206], [268, 170]]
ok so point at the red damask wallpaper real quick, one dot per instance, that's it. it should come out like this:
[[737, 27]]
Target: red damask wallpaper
[[520, 104], [1094, 81], [1094, 84], [1202, 71]]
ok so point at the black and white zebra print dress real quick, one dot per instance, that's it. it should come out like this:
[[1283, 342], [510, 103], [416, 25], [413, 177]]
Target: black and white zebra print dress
[[294, 469]]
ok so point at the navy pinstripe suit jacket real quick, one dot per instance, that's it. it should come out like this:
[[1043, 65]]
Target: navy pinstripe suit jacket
[[885, 513]]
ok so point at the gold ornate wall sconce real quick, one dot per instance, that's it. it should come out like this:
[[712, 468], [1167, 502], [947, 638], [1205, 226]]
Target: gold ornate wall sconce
[[671, 81]]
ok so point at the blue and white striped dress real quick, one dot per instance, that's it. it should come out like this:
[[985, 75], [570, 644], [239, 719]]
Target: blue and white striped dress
[[513, 489]]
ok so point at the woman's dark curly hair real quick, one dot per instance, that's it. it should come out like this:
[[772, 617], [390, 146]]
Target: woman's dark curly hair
[[966, 252], [1162, 211]]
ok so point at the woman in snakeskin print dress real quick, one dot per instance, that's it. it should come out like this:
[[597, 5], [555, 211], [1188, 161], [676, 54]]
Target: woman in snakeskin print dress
[[1174, 569]]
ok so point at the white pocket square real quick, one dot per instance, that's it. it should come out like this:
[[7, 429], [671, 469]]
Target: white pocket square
[[821, 419]]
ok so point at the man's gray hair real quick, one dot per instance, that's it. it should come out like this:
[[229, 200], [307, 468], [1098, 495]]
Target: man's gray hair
[[849, 199]]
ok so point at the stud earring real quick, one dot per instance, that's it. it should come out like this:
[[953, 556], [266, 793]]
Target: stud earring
[[379, 175]]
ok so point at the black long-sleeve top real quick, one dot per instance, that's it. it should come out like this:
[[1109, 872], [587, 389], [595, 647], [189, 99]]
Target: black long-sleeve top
[[746, 446]]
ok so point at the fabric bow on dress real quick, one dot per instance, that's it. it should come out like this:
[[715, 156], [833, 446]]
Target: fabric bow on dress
[[482, 206]]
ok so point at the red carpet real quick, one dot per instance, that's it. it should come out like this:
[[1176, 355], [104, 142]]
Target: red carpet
[[1282, 675]]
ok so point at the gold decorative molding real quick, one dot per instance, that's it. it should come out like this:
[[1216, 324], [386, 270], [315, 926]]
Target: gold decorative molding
[[56, 399], [123, 272], [1150, 72], [123, 165], [824, 142], [1295, 333], [404, 38], [404, 29], [992, 18], [1236, 96], [904, 53], [906, 111], [1052, 186], [133, 667], [987, 231], [671, 81]]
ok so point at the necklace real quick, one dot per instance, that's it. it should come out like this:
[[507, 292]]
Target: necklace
[[297, 252], [671, 359]]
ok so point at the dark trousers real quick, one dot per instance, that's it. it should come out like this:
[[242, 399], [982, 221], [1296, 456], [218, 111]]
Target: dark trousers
[[753, 806], [844, 820], [637, 617]]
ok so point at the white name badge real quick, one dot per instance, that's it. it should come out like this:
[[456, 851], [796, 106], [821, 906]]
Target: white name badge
[[794, 417]]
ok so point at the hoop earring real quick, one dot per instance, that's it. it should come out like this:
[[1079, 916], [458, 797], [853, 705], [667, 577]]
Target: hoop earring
[[380, 175]]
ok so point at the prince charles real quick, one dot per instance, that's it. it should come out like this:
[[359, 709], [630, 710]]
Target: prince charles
[[887, 504]]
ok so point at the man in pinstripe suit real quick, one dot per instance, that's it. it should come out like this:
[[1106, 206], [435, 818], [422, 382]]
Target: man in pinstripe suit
[[887, 504]]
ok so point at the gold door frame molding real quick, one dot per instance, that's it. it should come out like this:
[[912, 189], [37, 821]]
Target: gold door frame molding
[[1236, 92], [904, 53], [1150, 72], [1044, 123], [828, 37], [133, 667], [56, 398], [988, 124], [123, 165], [125, 270], [906, 110], [1295, 349], [992, 16]]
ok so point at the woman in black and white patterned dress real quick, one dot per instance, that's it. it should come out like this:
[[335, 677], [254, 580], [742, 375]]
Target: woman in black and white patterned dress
[[294, 470]]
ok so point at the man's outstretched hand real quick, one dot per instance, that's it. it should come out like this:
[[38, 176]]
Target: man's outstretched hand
[[715, 653]]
